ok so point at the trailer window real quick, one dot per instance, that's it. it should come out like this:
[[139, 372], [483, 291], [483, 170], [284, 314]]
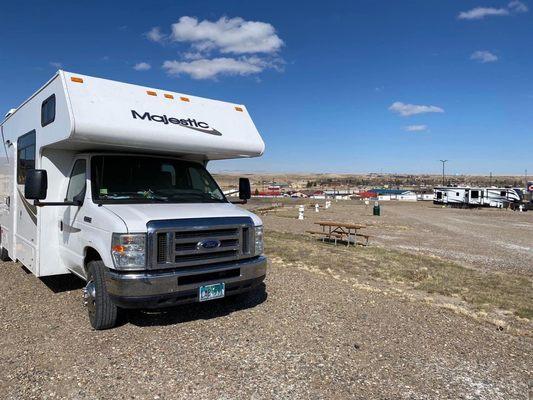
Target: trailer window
[[475, 194], [48, 111], [77, 181], [503, 193], [25, 155]]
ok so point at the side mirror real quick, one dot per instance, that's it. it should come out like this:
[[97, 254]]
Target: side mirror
[[36, 184], [244, 189]]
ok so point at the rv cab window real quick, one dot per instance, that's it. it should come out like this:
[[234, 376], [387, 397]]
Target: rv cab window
[[25, 155], [76, 184], [48, 111], [142, 179]]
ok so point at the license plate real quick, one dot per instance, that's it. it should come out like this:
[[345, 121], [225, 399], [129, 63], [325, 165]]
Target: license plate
[[211, 292]]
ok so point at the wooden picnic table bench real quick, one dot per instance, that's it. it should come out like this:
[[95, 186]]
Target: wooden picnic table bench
[[341, 230]]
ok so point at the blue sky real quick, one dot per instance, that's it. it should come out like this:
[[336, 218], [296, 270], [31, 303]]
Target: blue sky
[[337, 86]]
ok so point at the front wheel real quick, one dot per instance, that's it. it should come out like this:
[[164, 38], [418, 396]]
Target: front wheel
[[102, 311]]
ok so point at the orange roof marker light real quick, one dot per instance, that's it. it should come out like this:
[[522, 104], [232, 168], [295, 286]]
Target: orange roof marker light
[[239, 109], [184, 99], [169, 96], [76, 79], [151, 93]]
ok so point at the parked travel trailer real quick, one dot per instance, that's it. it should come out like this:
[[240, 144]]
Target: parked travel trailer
[[455, 196], [476, 196], [107, 180], [501, 197]]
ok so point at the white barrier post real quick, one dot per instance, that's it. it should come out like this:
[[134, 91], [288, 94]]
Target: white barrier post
[[317, 207], [301, 212]]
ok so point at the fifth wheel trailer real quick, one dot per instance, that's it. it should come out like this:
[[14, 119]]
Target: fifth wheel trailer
[[108, 181]]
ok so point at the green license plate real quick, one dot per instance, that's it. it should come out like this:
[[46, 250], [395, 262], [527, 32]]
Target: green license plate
[[211, 292]]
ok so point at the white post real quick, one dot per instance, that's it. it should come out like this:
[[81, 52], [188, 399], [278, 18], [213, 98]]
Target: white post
[[301, 212], [317, 207]]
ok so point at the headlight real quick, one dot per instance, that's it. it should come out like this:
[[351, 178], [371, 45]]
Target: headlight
[[129, 250], [258, 240]]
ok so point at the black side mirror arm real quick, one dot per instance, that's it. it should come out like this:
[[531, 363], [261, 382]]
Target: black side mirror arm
[[240, 201], [38, 203]]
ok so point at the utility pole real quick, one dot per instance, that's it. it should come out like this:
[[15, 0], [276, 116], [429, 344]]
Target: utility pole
[[443, 162], [490, 181]]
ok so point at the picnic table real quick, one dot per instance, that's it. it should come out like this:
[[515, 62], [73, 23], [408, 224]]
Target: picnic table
[[333, 230]]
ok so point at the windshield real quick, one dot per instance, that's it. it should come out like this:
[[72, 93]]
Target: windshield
[[141, 179]]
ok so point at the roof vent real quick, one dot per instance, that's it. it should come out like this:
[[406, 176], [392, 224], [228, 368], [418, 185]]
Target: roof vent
[[10, 112]]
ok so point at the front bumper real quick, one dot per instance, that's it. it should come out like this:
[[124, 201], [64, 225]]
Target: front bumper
[[155, 289]]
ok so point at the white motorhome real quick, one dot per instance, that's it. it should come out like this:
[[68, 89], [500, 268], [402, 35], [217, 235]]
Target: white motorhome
[[107, 180]]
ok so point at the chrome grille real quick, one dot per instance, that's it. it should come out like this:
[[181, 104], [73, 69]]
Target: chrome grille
[[178, 243]]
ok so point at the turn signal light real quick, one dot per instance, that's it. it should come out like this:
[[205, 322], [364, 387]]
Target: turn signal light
[[118, 248]]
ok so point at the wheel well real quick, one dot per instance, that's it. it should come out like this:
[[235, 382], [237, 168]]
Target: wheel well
[[90, 255]]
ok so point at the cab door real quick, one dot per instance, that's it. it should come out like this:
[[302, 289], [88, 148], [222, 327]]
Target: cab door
[[71, 219]]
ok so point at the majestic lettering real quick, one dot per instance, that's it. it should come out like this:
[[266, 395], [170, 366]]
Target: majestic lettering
[[186, 123]]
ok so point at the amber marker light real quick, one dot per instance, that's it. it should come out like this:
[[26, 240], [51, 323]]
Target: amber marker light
[[118, 248], [151, 93], [76, 79]]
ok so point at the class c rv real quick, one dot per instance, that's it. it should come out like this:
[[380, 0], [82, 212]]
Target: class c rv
[[108, 181]]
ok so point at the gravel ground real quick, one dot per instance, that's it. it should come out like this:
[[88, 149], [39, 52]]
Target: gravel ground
[[485, 239], [307, 336]]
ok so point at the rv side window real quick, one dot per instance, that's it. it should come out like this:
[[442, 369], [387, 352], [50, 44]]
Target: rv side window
[[457, 193], [503, 193], [475, 194], [48, 110], [439, 195], [77, 181], [25, 155]]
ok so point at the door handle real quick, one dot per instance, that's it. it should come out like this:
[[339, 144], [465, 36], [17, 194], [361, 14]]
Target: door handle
[[61, 226]]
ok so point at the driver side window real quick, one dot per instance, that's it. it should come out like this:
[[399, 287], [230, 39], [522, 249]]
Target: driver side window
[[77, 181]]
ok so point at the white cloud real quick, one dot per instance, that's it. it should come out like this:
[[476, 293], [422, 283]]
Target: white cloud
[[56, 64], [416, 128], [192, 55], [405, 110], [142, 66], [482, 12], [227, 35], [515, 7], [211, 68], [155, 35], [483, 56]]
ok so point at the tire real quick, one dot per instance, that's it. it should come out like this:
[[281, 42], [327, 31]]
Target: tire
[[3, 255], [102, 311]]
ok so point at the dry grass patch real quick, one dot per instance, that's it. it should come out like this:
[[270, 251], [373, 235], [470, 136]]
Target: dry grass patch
[[486, 291]]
